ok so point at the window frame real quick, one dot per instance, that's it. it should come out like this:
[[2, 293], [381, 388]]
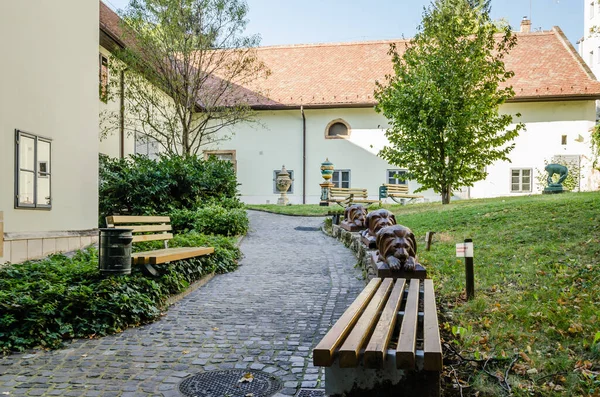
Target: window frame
[[291, 189], [521, 180], [232, 152], [36, 172], [339, 172], [336, 121], [388, 177], [103, 80]]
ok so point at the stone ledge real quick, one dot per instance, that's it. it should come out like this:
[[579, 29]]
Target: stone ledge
[[352, 241]]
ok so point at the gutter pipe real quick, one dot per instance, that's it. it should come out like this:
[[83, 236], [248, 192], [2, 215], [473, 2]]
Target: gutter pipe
[[303, 155]]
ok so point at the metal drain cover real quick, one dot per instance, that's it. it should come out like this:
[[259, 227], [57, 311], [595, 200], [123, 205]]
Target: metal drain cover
[[227, 383], [311, 393], [307, 228]]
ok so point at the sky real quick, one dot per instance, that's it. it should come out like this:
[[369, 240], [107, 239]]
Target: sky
[[281, 22]]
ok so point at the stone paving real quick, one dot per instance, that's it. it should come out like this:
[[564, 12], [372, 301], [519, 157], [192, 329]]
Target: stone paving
[[291, 286]]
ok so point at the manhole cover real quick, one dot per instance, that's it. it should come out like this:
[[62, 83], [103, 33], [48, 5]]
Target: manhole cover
[[307, 228], [227, 383], [311, 393]]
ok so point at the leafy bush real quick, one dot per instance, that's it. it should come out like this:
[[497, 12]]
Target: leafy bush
[[45, 302], [138, 185], [212, 219]]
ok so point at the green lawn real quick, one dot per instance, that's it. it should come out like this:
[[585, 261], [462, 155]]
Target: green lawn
[[537, 281]]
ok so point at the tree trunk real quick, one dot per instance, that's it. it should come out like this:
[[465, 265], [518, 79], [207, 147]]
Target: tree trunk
[[446, 193]]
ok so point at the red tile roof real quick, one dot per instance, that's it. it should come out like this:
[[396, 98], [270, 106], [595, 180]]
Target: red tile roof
[[546, 67]]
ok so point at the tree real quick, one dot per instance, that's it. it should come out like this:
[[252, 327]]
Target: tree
[[183, 70], [444, 97]]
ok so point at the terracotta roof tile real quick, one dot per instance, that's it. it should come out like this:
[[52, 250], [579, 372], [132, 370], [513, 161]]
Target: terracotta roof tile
[[546, 67]]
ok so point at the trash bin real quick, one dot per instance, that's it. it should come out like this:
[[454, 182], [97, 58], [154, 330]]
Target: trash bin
[[115, 251]]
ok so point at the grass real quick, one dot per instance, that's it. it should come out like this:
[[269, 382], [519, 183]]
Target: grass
[[537, 284], [537, 289]]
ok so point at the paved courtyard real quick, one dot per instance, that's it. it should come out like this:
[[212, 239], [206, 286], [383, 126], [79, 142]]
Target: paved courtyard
[[291, 286]]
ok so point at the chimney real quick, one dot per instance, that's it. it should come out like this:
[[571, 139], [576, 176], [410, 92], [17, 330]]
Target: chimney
[[525, 25]]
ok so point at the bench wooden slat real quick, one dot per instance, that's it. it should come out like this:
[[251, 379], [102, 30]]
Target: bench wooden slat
[[405, 352], [147, 228], [324, 352], [117, 219], [350, 350], [152, 237], [377, 348], [169, 254], [433, 358]]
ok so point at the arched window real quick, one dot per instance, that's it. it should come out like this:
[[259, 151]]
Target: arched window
[[337, 129]]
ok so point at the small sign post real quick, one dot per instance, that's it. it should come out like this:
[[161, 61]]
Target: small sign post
[[465, 250]]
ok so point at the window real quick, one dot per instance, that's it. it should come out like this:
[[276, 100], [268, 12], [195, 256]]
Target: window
[[396, 177], [341, 178], [103, 78], [291, 189], [520, 180], [32, 171], [563, 140], [227, 155], [146, 146], [337, 129], [591, 57], [592, 9]]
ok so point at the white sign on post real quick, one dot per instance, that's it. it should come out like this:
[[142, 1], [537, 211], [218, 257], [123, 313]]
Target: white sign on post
[[464, 250]]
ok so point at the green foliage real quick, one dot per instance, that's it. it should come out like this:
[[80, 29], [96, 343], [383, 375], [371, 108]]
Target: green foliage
[[42, 303], [596, 146], [170, 51], [212, 219], [138, 185], [444, 96]]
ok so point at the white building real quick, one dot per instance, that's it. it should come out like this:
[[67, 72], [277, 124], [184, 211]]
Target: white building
[[589, 44], [318, 103], [48, 127]]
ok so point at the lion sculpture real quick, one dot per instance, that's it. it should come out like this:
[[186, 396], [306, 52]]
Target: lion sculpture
[[375, 221], [354, 218], [396, 254]]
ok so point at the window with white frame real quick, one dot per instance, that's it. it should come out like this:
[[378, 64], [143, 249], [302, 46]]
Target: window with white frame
[[591, 58], [291, 189], [520, 180], [32, 173], [146, 146], [592, 9], [341, 178], [396, 177]]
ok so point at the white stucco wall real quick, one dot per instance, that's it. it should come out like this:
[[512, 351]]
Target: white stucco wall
[[277, 140], [49, 80], [110, 144], [589, 47]]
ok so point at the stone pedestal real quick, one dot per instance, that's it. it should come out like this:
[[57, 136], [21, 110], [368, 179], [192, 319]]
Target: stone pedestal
[[554, 189], [325, 193], [383, 270]]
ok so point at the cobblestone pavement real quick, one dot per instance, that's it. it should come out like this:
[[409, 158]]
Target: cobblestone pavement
[[291, 286]]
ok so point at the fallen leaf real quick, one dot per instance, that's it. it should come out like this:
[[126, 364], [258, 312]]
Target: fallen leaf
[[247, 378], [249, 395], [84, 355], [532, 371], [215, 329], [185, 352]]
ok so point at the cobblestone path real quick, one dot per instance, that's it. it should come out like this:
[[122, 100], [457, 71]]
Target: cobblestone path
[[291, 286]]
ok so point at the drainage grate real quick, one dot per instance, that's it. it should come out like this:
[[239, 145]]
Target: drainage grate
[[311, 393], [227, 383], [307, 228]]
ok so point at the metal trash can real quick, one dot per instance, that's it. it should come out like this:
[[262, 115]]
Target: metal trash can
[[114, 255]]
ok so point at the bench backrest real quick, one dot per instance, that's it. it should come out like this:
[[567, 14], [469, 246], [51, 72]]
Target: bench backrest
[[347, 191], [145, 228], [395, 188]]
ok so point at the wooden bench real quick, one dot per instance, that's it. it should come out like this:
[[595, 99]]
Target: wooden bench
[[398, 193], [346, 196], [153, 228], [386, 343]]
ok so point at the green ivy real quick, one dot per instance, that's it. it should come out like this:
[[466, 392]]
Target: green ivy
[[42, 303]]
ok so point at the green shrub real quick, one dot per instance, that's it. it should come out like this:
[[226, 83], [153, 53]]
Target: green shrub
[[138, 185], [45, 302], [212, 219]]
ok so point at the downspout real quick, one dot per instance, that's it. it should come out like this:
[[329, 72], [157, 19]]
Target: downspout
[[303, 155], [122, 115]]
